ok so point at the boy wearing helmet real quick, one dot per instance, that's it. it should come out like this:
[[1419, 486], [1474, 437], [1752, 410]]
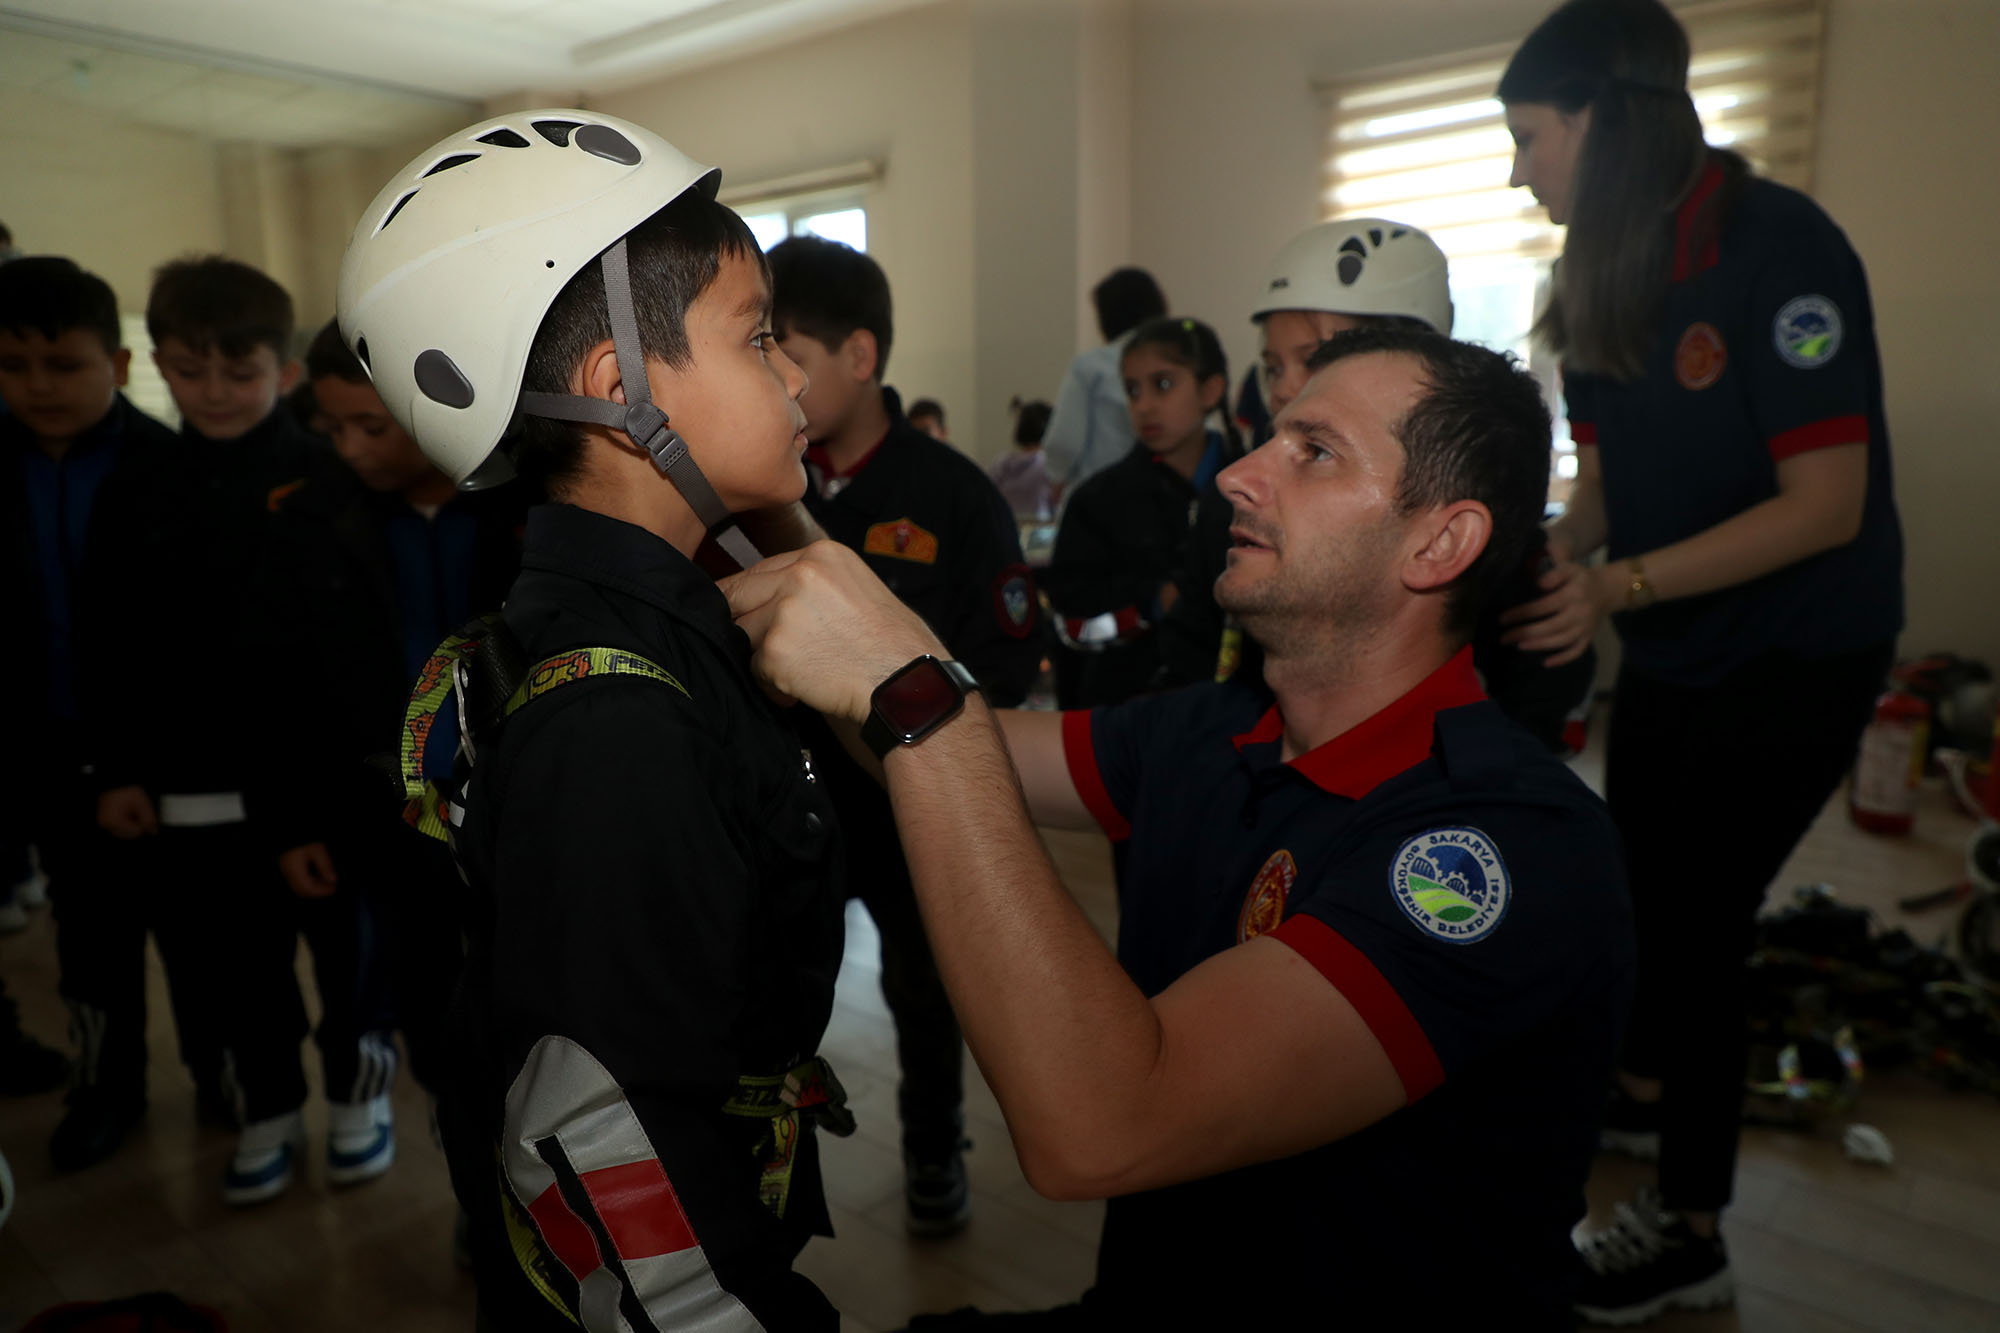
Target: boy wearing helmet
[[1353, 273], [652, 922]]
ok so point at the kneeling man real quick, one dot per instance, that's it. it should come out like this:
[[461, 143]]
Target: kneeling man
[[1375, 943]]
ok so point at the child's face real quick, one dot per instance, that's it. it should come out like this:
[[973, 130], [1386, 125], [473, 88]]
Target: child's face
[[737, 401], [223, 397], [59, 387], [1290, 339], [367, 438], [836, 378], [1168, 404]]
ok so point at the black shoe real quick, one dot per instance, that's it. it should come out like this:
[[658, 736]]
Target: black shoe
[[96, 1123], [936, 1194], [1630, 1127], [1649, 1261], [27, 1067]]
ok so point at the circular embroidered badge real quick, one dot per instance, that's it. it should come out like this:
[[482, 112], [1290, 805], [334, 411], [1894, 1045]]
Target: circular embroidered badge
[[1452, 883], [1807, 332], [1264, 907], [1700, 357]]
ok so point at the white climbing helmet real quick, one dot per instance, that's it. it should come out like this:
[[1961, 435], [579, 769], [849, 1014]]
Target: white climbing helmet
[[1360, 266], [453, 266]]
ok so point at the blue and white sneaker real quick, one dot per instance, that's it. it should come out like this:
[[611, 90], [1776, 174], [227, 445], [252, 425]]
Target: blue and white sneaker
[[360, 1140], [266, 1155]]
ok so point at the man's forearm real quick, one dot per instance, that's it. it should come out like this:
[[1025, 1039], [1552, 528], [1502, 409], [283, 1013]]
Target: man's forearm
[[1068, 1042]]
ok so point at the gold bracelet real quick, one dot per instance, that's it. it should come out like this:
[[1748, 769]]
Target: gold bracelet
[[1638, 589]]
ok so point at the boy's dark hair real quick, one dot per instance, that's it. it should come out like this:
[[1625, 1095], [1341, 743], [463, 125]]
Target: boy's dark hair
[[327, 354], [673, 257], [49, 295], [214, 302], [826, 291], [1479, 432], [1127, 298], [926, 407], [1191, 344], [1032, 423]]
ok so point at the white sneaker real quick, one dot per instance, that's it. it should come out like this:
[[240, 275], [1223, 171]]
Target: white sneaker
[[360, 1140], [266, 1155]]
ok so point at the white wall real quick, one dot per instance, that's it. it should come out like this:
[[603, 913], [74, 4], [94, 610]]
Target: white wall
[[118, 198], [898, 89]]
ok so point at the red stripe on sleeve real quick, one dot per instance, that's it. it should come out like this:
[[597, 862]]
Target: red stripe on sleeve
[[1818, 435], [1350, 973], [637, 1204], [1583, 432], [568, 1239], [1080, 752]]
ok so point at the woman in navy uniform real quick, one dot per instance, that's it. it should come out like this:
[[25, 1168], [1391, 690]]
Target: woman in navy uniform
[[1722, 377]]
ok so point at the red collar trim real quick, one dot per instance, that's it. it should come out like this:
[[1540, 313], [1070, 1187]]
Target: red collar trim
[[817, 455], [1394, 740], [1687, 260]]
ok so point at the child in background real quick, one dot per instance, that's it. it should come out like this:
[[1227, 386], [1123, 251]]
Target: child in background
[[1123, 532], [68, 433], [927, 415], [184, 611], [1023, 476]]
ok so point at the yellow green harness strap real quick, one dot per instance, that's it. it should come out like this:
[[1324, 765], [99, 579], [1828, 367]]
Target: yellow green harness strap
[[436, 682], [802, 1097]]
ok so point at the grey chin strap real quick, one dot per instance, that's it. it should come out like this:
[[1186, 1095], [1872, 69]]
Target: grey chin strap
[[640, 418]]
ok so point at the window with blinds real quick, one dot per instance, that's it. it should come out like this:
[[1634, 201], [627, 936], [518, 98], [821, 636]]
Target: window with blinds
[[1427, 144]]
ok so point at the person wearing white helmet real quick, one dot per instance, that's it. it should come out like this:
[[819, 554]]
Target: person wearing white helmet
[[1348, 274], [652, 920]]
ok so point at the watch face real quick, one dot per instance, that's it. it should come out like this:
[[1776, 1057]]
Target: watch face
[[916, 697]]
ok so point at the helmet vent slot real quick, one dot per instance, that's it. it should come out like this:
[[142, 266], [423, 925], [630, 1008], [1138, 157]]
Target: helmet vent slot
[[504, 138], [557, 132], [455, 160], [390, 216], [607, 143], [361, 352]]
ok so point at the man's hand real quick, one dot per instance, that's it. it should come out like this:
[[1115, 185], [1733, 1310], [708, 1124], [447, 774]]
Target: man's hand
[[825, 630], [773, 531], [308, 871], [1564, 619], [127, 813]]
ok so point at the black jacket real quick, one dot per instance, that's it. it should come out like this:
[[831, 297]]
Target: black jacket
[[653, 914], [178, 602]]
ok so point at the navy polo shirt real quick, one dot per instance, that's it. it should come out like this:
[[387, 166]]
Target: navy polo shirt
[[1464, 892], [1766, 350]]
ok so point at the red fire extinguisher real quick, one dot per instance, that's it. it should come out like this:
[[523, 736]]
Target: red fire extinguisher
[[1883, 796]]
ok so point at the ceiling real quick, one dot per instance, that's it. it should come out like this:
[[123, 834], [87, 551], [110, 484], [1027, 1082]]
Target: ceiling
[[299, 73]]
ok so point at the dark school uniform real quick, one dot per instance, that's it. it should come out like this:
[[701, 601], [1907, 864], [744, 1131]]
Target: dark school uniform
[[48, 507], [379, 585], [654, 914], [1737, 711], [1461, 889], [182, 695], [936, 530], [1124, 535]]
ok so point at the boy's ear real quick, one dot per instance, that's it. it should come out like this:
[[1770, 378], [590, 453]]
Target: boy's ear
[[598, 376], [121, 366], [861, 354], [288, 377]]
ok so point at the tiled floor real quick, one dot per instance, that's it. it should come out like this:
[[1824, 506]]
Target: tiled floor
[[1819, 1242]]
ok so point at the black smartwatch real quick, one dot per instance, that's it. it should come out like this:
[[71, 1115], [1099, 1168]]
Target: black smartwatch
[[914, 702]]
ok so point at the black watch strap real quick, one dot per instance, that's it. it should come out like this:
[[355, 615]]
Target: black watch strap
[[914, 702]]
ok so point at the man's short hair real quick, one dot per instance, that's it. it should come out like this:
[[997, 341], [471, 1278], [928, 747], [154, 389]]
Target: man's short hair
[[1127, 298], [926, 407], [1480, 431], [328, 354], [50, 295], [673, 257], [827, 290], [215, 302]]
